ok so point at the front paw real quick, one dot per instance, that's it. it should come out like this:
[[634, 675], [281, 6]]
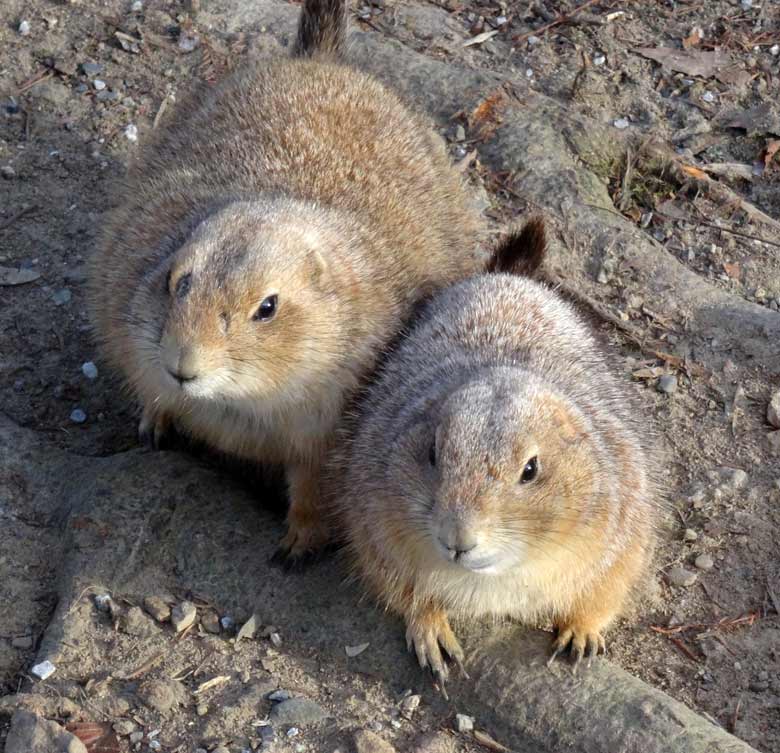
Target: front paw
[[427, 634], [581, 639], [154, 428]]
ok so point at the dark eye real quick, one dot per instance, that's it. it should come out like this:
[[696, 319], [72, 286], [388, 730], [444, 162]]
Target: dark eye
[[432, 454], [530, 471], [168, 281], [266, 310], [183, 285]]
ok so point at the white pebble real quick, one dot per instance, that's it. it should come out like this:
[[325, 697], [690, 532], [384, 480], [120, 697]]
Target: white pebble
[[464, 723], [155, 745], [43, 670], [276, 639], [774, 50], [89, 370], [103, 602], [532, 40], [599, 59], [24, 28], [131, 132], [708, 97], [99, 84], [293, 732], [704, 562], [746, 4], [137, 6], [529, 73], [78, 416], [621, 123]]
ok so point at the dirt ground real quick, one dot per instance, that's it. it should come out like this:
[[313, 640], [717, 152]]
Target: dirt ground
[[81, 82]]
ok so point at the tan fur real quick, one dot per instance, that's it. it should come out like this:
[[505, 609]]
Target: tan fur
[[496, 371], [297, 177]]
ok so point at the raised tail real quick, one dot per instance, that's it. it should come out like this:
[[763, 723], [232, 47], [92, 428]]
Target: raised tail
[[322, 29], [521, 253]]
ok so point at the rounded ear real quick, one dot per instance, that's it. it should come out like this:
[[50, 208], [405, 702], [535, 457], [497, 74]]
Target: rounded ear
[[521, 253], [318, 265]]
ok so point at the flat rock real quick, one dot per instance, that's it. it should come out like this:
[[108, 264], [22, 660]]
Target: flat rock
[[435, 742], [183, 615], [162, 695], [158, 608], [679, 576], [298, 712], [31, 733], [135, 622]]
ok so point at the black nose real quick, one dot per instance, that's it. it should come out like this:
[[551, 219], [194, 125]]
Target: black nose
[[458, 548], [182, 376]]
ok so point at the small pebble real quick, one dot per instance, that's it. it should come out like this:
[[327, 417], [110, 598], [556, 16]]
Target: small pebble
[[44, 670], [103, 602], [773, 410], [704, 562], [409, 705], [293, 732], [746, 4], [155, 745], [78, 416], [183, 615], [708, 97], [690, 535], [679, 576], [737, 478], [7, 172], [464, 723], [131, 133], [621, 123], [460, 133], [276, 639], [228, 623], [599, 59], [124, 727], [188, 42], [157, 607], [24, 28], [61, 297], [137, 6], [297, 712], [201, 709], [667, 384], [533, 40], [529, 73], [91, 69], [99, 84], [136, 737], [89, 370], [277, 696], [210, 622], [774, 50], [352, 651]]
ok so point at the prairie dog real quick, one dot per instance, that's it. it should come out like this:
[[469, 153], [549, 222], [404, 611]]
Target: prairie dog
[[495, 468], [269, 243]]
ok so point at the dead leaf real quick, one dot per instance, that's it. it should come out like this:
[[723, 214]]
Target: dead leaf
[[480, 38], [97, 737], [693, 38], [694, 172], [671, 210], [10, 276], [485, 118], [732, 269], [704, 63], [771, 149]]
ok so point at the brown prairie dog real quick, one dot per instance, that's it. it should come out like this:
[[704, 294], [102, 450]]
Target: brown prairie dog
[[495, 468], [268, 244]]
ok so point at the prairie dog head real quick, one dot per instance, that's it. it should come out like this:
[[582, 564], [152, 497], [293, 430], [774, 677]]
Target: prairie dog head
[[506, 472], [243, 308]]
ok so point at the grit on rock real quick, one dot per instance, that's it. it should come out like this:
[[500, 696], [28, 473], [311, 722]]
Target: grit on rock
[[658, 180]]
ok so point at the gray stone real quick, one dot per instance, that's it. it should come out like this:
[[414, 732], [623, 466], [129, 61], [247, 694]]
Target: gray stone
[[735, 478], [690, 535], [298, 712], [162, 695], [7, 172], [279, 695], [773, 410], [667, 384], [704, 562], [210, 622], [409, 705], [89, 370], [61, 297], [368, 742], [99, 84], [124, 727], [679, 576], [91, 69], [435, 742], [133, 621], [24, 28], [183, 615], [157, 607], [31, 733], [22, 642], [78, 416]]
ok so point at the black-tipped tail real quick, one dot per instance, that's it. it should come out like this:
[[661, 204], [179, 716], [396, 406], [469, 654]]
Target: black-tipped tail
[[521, 253], [322, 29]]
